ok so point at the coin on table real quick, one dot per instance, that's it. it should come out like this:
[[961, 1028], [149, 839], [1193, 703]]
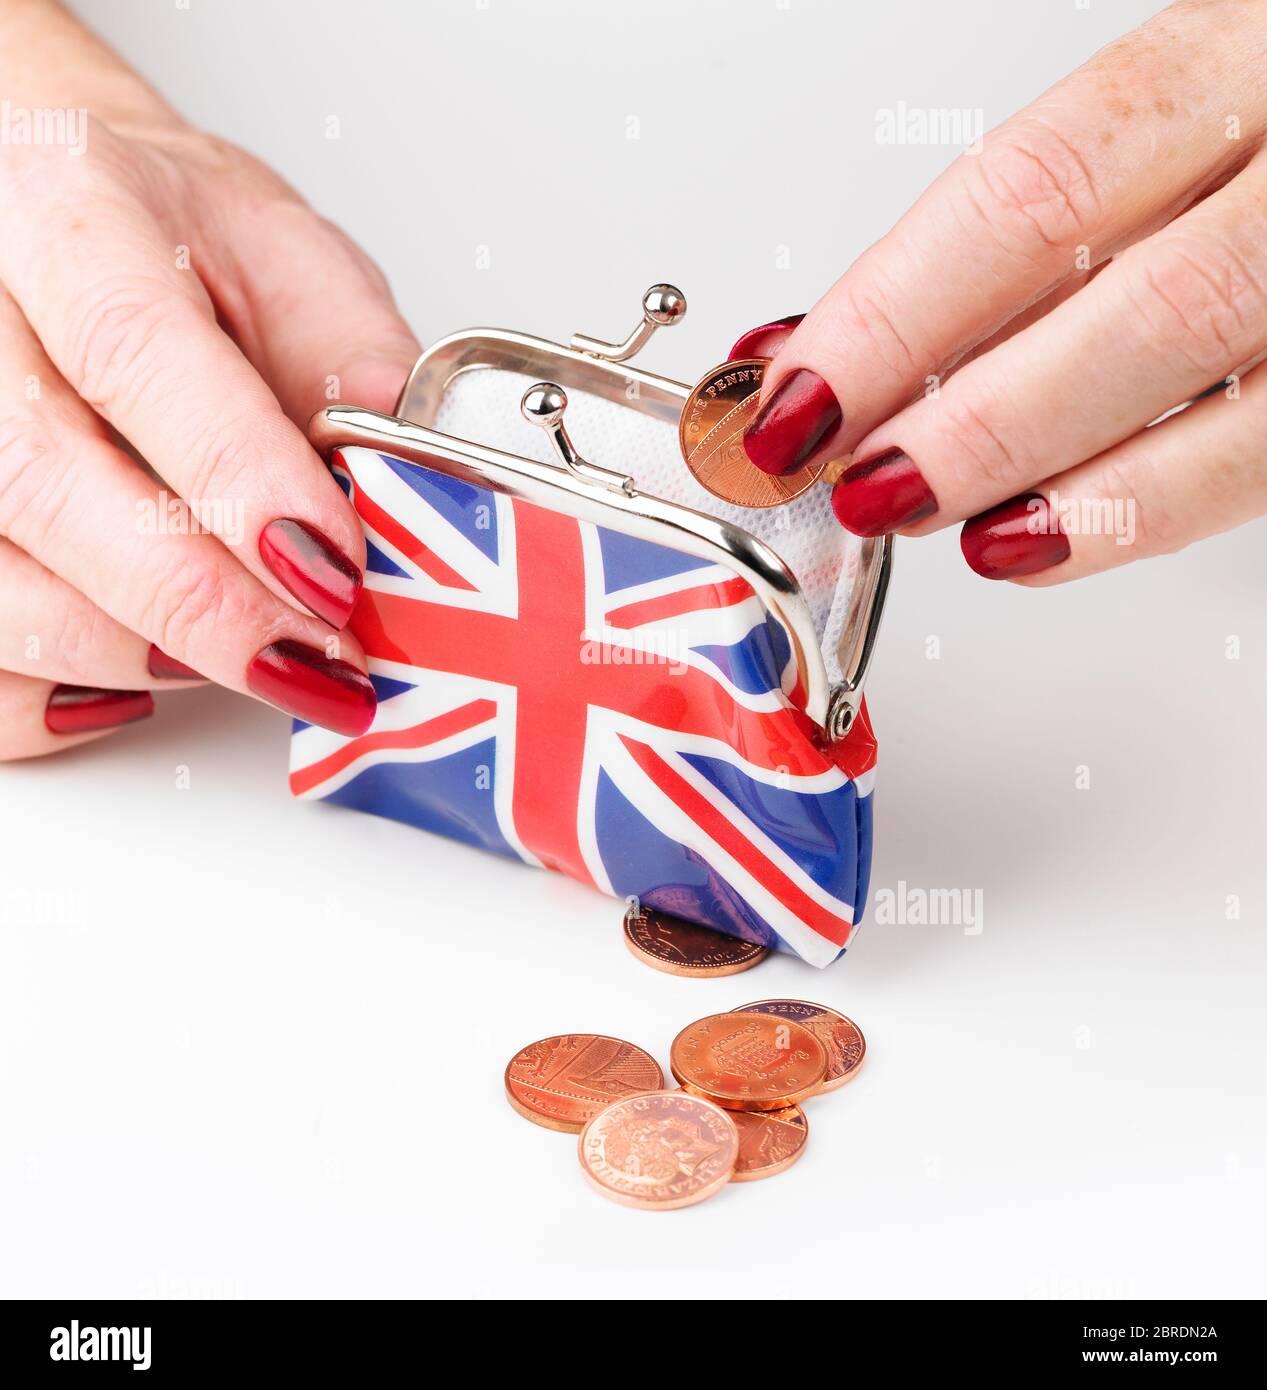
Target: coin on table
[[748, 1061], [678, 947], [841, 1036], [659, 1151], [721, 406], [564, 1081], [769, 1141]]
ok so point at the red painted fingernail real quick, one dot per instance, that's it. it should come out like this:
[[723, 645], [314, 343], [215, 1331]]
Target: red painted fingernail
[[881, 494], [314, 687], [798, 417], [764, 341], [167, 668], [1021, 536], [312, 568], [77, 709]]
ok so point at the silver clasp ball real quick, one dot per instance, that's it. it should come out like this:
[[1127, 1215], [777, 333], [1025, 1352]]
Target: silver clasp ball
[[662, 307]]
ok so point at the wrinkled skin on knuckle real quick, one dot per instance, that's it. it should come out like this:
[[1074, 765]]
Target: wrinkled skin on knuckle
[[865, 312], [193, 606], [1200, 301], [37, 481], [1159, 530], [221, 458], [1032, 188], [974, 436], [27, 451], [82, 630], [118, 350]]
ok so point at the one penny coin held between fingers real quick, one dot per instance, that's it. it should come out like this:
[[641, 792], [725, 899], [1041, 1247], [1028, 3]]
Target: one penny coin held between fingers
[[841, 1036], [659, 1151], [769, 1141], [748, 1061], [564, 1081], [678, 947], [721, 406]]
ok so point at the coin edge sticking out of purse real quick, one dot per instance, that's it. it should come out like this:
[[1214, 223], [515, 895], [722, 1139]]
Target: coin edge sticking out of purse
[[831, 473]]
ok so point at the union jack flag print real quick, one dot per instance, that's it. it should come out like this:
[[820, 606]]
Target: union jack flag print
[[562, 693]]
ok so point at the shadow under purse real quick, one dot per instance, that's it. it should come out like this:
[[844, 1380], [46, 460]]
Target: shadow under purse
[[603, 670]]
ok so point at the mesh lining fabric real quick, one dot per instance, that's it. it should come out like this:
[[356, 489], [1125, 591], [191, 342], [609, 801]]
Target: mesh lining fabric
[[483, 406]]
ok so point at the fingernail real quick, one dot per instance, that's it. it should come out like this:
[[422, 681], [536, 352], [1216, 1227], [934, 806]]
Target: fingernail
[[1018, 537], [312, 568], [764, 341], [167, 668], [77, 709], [798, 417], [882, 494], [314, 687]]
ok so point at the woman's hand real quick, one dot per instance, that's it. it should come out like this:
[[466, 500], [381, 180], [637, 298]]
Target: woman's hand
[[163, 286], [1100, 261]]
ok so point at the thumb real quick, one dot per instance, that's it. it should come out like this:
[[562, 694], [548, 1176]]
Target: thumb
[[324, 327]]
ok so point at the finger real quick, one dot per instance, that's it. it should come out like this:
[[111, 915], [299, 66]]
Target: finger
[[769, 338], [185, 593], [76, 504], [764, 341], [317, 318], [1069, 180], [1038, 310], [39, 716], [49, 629], [1193, 475], [136, 337], [1152, 331]]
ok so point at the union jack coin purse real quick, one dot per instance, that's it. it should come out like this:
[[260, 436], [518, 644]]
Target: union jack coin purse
[[587, 662]]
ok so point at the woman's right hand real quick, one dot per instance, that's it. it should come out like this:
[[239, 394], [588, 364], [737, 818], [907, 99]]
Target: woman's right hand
[[1000, 357], [164, 286]]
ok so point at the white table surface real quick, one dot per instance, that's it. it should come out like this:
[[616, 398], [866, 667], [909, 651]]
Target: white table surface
[[255, 1048]]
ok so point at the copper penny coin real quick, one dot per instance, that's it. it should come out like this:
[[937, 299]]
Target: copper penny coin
[[678, 947], [659, 1151], [748, 1061], [841, 1036], [564, 1081], [721, 406], [769, 1141]]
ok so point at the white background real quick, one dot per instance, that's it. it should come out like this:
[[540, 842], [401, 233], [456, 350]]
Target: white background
[[252, 1047]]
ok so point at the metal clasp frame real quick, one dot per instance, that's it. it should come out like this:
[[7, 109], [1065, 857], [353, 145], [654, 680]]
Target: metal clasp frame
[[608, 498]]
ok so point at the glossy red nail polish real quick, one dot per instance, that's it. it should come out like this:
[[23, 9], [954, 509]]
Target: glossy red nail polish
[[763, 341], [799, 416], [78, 709], [312, 568], [314, 687], [1018, 537], [882, 494], [167, 668]]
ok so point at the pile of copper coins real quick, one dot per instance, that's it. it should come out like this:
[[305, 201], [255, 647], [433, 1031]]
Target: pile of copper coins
[[742, 1078]]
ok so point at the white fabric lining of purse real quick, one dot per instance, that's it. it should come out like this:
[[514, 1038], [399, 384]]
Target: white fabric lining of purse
[[483, 406]]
